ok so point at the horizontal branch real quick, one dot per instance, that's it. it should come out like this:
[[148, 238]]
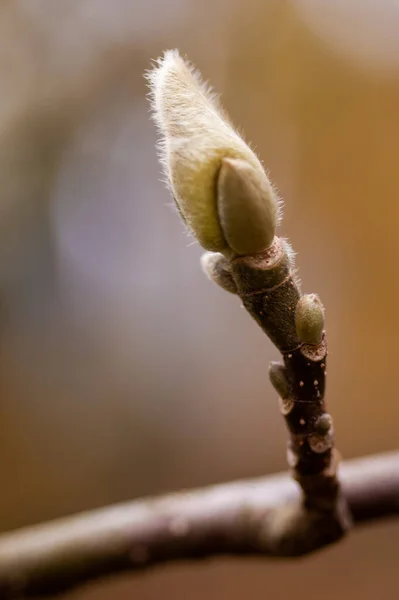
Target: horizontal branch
[[257, 517]]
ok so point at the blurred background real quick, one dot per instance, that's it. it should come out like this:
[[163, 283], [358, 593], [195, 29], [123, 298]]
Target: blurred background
[[123, 371]]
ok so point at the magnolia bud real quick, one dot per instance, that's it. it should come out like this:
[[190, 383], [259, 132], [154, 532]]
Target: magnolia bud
[[196, 138], [323, 424], [309, 319], [247, 206], [278, 379], [217, 267]]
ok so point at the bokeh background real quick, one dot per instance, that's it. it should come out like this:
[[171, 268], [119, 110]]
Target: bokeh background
[[123, 371]]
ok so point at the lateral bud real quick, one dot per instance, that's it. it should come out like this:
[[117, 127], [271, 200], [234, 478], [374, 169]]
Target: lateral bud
[[309, 319], [217, 267], [278, 379]]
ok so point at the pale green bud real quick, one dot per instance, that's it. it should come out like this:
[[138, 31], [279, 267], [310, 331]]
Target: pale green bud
[[247, 206], [309, 319], [196, 138]]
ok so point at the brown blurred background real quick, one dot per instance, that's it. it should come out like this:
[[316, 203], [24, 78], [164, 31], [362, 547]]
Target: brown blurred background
[[123, 371]]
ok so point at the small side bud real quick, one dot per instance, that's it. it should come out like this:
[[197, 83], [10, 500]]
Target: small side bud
[[247, 206], [320, 443], [278, 379], [196, 137], [309, 319], [323, 424], [216, 266]]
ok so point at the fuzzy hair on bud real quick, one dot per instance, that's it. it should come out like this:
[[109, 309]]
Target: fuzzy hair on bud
[[196, 137], [217, 267], [309, 319]]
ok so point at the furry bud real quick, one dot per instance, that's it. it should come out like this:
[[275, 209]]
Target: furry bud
[[196, 138], [217, 267]]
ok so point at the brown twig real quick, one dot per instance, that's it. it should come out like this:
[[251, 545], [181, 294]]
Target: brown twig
[[269, 291], [243, 518]]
